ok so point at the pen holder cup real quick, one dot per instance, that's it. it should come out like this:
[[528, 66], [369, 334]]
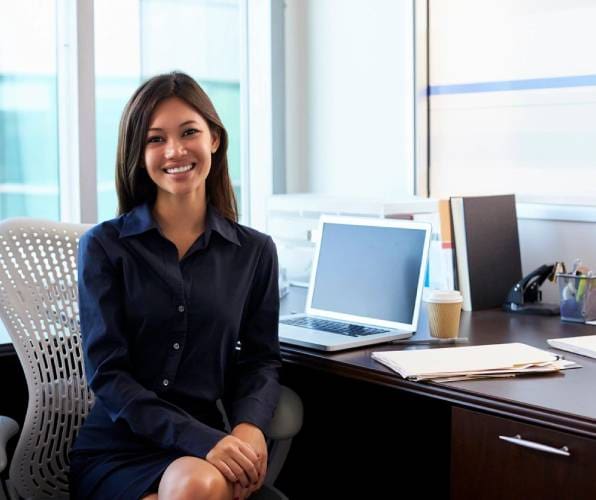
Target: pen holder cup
[[578, 297]]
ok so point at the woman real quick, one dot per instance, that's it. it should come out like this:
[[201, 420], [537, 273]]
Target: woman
[[166, 291]]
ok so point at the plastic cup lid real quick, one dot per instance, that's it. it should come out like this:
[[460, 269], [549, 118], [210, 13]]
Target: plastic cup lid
[[443, 296]]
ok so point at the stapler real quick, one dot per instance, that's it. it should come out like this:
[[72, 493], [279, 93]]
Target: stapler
[[526, 297]]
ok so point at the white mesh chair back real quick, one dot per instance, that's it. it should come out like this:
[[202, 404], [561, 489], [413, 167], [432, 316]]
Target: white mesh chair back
[[39, 308]]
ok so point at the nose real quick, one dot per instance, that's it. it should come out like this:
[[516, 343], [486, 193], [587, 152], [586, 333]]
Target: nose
[[174, 148]]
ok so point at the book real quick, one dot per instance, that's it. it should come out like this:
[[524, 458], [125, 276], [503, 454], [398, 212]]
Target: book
[[445, 218], [481, 361], [447, 255], [487, 250], [584, 345], [440, 256]]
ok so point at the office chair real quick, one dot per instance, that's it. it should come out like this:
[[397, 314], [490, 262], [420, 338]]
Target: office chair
[[39, 308]]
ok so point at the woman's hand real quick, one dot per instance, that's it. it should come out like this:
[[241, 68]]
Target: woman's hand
[[236, 459], [254, 437]]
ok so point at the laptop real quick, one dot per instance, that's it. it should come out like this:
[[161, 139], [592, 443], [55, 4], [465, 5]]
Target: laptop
[[365, 286]]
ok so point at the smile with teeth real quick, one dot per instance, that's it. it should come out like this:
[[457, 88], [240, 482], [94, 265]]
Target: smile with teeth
[[180, 170]]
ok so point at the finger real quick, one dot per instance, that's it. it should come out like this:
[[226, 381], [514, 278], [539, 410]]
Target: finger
[[250, 468], [230, 469], [243, 453], [237, 490], [240, 473], [241, 493], [246, 456], [248, 451], [252, 473], [248, 491], [262, 472], [251, 490], [225, 469]]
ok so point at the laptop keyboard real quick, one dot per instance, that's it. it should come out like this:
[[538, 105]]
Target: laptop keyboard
[[333, 326]]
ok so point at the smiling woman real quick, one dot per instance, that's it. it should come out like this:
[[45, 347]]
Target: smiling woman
[[167, 291]]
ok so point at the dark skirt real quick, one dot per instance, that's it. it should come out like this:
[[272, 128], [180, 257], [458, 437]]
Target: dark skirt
[[109, 462], [117, 475]]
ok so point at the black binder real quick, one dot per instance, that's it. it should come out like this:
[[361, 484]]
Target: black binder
[[487, 248]]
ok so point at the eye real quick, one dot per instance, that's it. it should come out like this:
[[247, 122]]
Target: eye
[[190, 131], [155, 138]]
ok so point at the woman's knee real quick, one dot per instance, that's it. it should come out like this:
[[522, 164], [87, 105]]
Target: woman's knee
[[194, 478]]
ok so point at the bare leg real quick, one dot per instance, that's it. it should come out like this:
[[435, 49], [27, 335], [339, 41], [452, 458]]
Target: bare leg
[[191, 478]]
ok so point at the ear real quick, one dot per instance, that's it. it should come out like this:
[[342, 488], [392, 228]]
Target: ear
[[214, 140]]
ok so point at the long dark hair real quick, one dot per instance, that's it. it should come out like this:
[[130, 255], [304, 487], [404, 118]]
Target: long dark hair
[[133, 184]]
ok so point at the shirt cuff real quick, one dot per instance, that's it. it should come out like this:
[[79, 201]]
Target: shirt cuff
[[199, 442], [252, 411]]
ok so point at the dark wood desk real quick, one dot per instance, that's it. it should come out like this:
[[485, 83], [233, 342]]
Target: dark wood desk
[[367, 430]]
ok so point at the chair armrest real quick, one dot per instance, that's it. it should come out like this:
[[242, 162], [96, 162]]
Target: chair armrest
[[287, 419], [8, 428]]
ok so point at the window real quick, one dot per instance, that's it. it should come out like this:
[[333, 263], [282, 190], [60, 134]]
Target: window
[[29, 149], [48, 122], [117, 75], [137, 39], [513, 99]]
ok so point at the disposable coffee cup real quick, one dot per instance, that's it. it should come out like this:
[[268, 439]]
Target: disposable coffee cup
[[444, 310]]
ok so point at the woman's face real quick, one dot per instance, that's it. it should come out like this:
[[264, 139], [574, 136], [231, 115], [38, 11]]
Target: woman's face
[[178, 148]]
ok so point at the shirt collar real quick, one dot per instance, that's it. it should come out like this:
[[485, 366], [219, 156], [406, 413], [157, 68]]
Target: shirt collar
[[140, 220], [217, 222]]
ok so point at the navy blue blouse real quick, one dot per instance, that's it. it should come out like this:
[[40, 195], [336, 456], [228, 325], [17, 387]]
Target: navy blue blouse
[[164, 338]]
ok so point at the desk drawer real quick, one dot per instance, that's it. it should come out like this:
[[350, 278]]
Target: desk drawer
[[486, 466]]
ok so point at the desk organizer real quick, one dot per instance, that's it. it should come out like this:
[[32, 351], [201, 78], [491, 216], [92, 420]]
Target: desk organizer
[[578, 297]]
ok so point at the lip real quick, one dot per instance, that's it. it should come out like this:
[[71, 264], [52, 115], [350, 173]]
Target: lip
[[179, 174]]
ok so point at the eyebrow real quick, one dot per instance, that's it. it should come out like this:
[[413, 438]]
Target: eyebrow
[[179, 126]]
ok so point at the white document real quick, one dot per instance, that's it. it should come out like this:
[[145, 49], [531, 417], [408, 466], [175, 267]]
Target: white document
[[561, 364], [584, 345], [513, 358]]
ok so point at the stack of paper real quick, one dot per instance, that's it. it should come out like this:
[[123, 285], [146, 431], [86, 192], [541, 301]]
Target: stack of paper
[[584, 345], [471, 362]]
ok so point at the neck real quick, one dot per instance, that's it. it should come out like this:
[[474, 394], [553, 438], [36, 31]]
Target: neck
[[181, 213]]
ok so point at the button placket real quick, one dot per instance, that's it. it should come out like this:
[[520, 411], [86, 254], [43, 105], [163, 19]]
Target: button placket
[[179, 322], [175, 349]]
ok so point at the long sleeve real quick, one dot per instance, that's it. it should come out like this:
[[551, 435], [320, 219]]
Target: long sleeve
[[253, 392], [108, 367]]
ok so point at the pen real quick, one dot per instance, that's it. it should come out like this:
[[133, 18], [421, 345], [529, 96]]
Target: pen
[[457, 340], [581, 287]]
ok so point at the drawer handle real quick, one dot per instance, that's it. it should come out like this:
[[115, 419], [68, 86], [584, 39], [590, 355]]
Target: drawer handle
[[517, 439]]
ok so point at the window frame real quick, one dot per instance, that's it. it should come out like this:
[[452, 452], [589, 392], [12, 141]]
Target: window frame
[[264, 122], [421, 173], [76, 111]]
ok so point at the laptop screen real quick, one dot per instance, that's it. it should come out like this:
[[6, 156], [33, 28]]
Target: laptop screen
[[369, 271]]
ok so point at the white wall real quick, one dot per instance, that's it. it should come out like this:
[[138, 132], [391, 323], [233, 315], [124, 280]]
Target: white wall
[[513, 97], [350, 97]]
